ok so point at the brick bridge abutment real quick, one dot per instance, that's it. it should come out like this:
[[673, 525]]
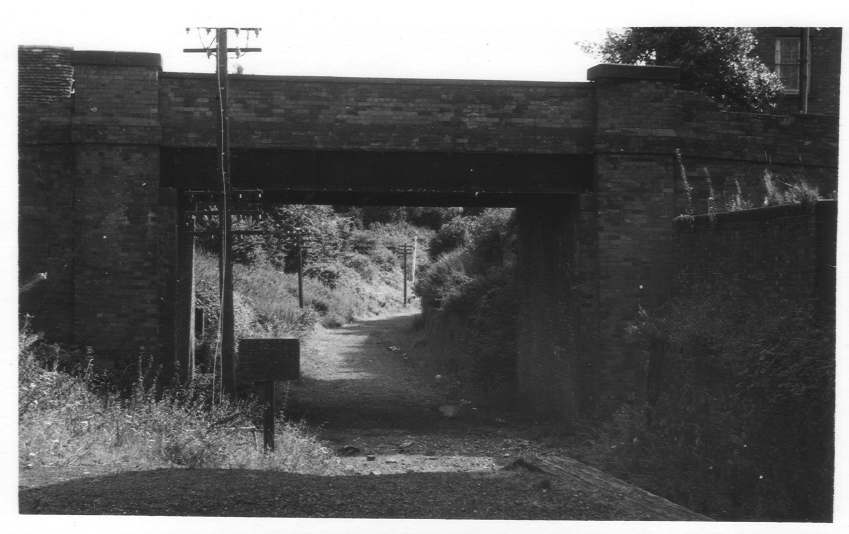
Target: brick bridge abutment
[[108, 143]]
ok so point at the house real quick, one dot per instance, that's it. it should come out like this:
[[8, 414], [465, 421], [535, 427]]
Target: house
[[808, 62]]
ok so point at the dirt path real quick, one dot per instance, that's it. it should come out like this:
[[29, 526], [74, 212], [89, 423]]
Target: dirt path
[[401, 456], [364, 393], [380, 409]]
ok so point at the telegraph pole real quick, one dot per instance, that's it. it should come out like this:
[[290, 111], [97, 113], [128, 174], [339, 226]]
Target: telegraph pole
[[404, 256], [225, 265], [413, 261], [300, 271]]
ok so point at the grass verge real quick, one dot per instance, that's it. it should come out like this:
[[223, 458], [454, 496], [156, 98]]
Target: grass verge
[[63, 421]]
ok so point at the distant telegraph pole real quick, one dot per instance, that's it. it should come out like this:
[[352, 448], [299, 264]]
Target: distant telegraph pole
[[225, 266], [413, 261], [404, 251], [300, 271]]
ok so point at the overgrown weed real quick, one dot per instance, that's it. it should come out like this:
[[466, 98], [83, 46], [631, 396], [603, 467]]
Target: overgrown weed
[[62, 422]]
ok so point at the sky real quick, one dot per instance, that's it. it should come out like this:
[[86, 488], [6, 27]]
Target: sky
[[511, 40], [431, 39]]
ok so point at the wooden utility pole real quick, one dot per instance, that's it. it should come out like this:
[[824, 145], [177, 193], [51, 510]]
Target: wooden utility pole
[[300, 273], [404, 260], [225, 264], [413, 261], [228, 342]]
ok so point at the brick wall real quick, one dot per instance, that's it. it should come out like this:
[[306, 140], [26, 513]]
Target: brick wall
[[638, 192], [549, 362], [782, 253], [118, 220], [340, 113], [46, 187]]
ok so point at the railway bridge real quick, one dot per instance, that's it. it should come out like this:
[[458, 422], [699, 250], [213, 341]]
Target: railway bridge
[[109, 144]]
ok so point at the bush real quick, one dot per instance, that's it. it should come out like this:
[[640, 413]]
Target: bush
[[431, 217], [442, 281], [451, 236], [361, 264], [472, 279]]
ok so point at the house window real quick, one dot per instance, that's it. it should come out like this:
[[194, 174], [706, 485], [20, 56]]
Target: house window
[[787, 62]]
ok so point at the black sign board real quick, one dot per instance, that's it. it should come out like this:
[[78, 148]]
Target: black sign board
[[270, 359]]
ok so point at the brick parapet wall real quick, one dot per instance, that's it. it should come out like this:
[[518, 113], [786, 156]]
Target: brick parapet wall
[[424, 115], [116, 105], [780, 139]]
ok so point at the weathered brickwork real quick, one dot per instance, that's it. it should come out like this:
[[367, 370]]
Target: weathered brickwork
[[363, 114], [46, 187], [548, 357], [45, 88], [782, 253], [45, 237], [97, 215]]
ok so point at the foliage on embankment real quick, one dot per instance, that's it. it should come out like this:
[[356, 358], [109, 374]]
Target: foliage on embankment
[[468, 299], [350, 270]]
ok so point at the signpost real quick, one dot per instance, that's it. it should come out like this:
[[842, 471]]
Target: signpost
[[264, 362]]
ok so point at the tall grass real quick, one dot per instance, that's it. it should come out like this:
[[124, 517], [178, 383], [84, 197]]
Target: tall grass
[[63, 422]]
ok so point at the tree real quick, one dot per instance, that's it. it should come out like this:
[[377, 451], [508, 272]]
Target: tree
[[718, 62]]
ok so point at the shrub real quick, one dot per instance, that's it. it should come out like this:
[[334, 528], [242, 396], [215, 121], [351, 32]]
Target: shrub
[[493, 238], [451, 236], [332, 274], [362, 264], [472, 280], [442, 281]]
